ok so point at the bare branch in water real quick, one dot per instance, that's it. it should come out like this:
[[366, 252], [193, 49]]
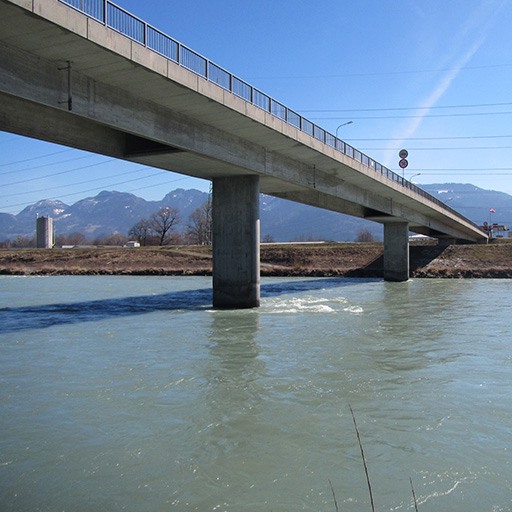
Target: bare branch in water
[[414, 496], [363, 457], [334, 496]]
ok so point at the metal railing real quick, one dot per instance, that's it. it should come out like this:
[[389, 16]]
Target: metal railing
[[122, 21]]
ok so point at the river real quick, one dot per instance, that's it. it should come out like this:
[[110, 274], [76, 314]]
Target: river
[[132, 393]]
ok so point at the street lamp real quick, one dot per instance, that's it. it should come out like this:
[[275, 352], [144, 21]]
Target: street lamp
[[414, 175], [344, 124]]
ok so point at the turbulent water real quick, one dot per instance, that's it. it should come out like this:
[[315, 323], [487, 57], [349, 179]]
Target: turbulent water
[[132, 393]]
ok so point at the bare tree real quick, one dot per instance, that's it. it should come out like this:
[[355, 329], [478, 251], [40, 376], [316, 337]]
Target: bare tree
[[116, 239], [163, 222], [363, 235], [141, 232], [199, 229], [23, 241], [75, 238]]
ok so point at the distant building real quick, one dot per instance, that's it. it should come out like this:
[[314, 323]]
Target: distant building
[[420, 238], [495, 230], [44, 232]]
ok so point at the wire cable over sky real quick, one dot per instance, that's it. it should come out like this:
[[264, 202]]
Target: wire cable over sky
[[437, 149], [35, 158], [92, 181], [380, 73], [81, 192], [462, 137], [383, 109], [422, 116], [62, 172]]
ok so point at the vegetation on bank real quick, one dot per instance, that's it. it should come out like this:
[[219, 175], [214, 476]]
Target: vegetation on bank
[[427, 259], [161, 228]]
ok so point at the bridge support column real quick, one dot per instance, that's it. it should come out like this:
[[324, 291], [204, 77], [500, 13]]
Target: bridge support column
[[396, 251], [236, 242], [445, 242]]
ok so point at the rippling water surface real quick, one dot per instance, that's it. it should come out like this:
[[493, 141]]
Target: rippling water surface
[[132, 393]]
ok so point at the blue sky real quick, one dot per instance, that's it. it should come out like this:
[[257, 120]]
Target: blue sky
[[433, 78]]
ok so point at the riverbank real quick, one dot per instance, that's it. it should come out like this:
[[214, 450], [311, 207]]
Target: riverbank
[[427, 259]]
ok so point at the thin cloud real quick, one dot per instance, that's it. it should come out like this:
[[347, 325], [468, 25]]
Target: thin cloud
[[475, 23], [441, 88]]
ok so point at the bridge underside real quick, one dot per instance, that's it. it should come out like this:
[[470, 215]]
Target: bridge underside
[[68, 79]]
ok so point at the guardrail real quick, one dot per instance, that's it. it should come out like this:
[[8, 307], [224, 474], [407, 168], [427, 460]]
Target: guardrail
[[122, 21]]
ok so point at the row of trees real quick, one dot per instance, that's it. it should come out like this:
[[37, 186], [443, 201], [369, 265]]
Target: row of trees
[[23, 241], [160, 228]]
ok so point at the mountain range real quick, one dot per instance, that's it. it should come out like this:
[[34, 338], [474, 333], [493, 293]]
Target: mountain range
[[116, 212]]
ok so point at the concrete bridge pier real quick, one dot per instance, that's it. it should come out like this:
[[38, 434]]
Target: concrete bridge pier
[[396, 251], [236, 242], [445, 241]]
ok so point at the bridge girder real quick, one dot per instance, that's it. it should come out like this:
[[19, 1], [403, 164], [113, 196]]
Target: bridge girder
[[99, 91]]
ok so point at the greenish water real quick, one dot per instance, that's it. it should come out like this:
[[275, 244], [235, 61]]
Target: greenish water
[[132, 393]]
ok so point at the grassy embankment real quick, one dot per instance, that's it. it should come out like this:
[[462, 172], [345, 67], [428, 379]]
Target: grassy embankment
[[322, 259]]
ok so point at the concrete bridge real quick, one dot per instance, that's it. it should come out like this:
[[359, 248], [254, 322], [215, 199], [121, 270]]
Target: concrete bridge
[[87, 74]]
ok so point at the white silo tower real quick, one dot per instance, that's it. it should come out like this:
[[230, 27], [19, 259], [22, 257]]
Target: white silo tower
[[44, 232]]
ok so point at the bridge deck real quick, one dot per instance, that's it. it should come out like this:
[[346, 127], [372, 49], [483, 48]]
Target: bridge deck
[[160, 113]]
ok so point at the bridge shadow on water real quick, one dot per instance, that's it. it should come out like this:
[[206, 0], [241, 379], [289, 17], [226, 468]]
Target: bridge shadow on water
[[41, 316]]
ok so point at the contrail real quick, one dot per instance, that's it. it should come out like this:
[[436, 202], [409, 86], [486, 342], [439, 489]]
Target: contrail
[[473, 24]]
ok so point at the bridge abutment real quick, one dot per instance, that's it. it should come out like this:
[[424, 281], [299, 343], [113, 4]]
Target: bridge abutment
[[236, 242], [396, 251]]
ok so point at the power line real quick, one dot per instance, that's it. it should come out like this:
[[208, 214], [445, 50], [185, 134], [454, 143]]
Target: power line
[[437, 149], [444, 173], [421, 116], [469, 169], [96, 189], [17, 171], [159, 184], [408, 108], [381, 73], [88, 181], [36, 157], [433, 138], [62, 172]]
